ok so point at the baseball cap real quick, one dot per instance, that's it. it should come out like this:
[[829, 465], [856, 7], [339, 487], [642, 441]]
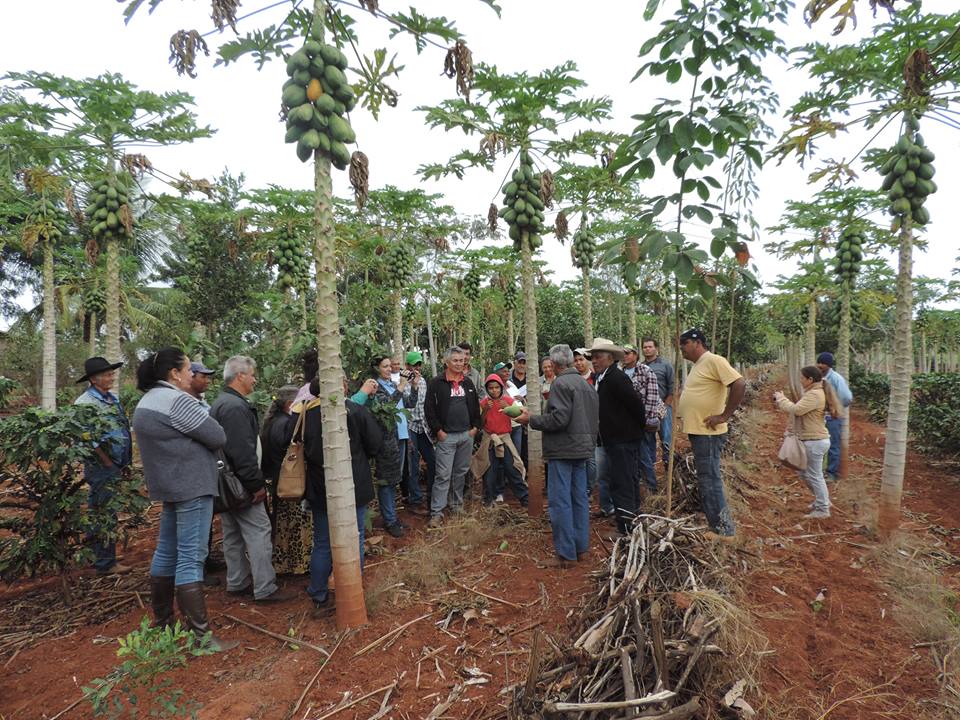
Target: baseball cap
[[582, 351], [501, 365], [825, 358], [629, 348], [414, 358], [693, 334], [198, 368], [521, 355]]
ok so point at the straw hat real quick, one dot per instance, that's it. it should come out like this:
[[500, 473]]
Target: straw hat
[[604, 345]]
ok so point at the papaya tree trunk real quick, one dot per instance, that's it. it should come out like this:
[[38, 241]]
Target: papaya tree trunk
[[431, 347], [302, 296], [534, 439], [341, 506], [48, 386], [923, 350], [898, 411], [843, 367], [587, 308], [468, 324], [677, 360], [511, 337], [94, 320], [632, 320], [733, 305], [810, 336], [397, 323], [713, 331], [112, 344]]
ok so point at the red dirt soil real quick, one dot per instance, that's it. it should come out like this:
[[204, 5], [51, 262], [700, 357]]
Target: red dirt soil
[[852, 644]]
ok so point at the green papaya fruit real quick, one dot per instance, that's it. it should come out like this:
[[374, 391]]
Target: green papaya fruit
[[924, 187], [901, 206], [100, 227], [896, 191], [888, 181], [100, 214], [340, 130], [302, 114], [319, 120], [329, 53], [913, 162], [927, 155], [339, 154], [113, 205], [334, 77], [510, 215], [510, 190], [887, 167], [520, 206], [344, 93], [901, 167], [911, 120], [513, 411], [316, 67], [926, 171], [523, 220], [514, 233], [350, 104], [325, 104], [312, 48], [294, 96], [918, 140], [909, 179], [311, 138], [339, 108], [325, 143], [916, 201], [304, 151], [922, 216], [299, 61], [294, 133], [903, 144], [913, 150], [301, 77], [517, 176], [112, 221], [933, 186]]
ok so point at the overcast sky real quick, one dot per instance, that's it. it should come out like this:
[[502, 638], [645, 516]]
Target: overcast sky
[[88, 37]]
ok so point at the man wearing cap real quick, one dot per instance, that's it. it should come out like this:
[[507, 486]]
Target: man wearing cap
[[825, 363], [518, 378], [665, 382], [414, 396], [622, 423], [712, 393], [200, 382], [629, 363], [114, 452]]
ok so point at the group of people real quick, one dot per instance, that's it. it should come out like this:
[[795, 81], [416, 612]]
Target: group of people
[[604, 414]]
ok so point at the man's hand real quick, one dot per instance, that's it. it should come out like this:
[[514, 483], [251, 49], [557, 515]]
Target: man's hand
[[441, 435], [523, 418], [472, 431], [259, 496], [714, 420], [778, 396], [369, 386]]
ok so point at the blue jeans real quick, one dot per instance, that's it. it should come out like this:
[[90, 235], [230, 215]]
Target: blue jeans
[[706, 456], [425, 450], [411, 473], [569, 507], [647, 450], [622, 462], [666, 432], [184, 536], [835, 428], [321, 559], [492, 485], [598, 477], [101, 481], [387, 500]]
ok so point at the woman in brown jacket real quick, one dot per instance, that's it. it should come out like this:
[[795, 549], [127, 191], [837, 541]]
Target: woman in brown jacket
[[812, 430]]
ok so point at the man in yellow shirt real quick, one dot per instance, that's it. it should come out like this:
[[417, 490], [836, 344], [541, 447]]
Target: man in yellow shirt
[[712, 393]]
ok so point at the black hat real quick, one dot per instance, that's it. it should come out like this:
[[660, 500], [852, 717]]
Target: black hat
[[693, 334], [95, 366]]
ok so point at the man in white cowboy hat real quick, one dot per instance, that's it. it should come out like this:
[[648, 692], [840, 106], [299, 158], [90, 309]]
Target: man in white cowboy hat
[[622, 422], [114, 453]]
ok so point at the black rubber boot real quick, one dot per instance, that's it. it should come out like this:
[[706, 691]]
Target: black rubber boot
[[194, 610], [161, 599]]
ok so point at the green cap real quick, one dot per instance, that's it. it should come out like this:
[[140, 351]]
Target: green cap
[[501, 365], [629, 348], [414, 357]]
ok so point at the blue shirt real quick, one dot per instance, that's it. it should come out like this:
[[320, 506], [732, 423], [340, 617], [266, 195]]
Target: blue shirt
[[840, 387], [388, 387], [117, 443]]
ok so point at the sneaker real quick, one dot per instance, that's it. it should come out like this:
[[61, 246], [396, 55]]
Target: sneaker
[[600, 514], [817, 515], [395, 530], [115, 569], [498, 499], [277, 596], [435, 521]]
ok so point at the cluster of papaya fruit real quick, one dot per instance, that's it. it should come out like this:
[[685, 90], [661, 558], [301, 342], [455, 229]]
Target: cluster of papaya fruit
[[293, 269], [908, 177], [46, 213], [511, 299], [523, 208], [399, 266], [104, 212], [316, 99], [471, 284], [584, 245], [849, 253], [94, 299]]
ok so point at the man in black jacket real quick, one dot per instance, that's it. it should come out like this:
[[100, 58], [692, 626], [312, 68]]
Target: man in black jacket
[[622, 422], [247, 547], [452, 412]]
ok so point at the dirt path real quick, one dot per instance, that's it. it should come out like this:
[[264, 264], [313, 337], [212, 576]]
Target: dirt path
[[853, 656]]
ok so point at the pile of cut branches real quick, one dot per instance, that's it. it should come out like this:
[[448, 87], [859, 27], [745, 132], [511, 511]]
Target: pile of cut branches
[[645, 644]]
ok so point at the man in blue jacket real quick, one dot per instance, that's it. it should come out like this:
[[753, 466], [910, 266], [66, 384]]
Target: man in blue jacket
[[825, 362]]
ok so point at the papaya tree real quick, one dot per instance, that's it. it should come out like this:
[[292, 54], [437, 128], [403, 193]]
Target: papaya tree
[[901, 74], [315, 101], [717, 45], [519, 115]]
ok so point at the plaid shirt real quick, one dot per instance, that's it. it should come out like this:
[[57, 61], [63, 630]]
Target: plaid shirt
[[417, 421], [645, 385]]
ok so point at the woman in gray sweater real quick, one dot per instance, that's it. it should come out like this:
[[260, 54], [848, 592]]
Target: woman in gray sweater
[[178, 441]]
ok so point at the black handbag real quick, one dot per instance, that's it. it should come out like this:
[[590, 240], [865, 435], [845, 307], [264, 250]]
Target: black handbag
[[231, 494]]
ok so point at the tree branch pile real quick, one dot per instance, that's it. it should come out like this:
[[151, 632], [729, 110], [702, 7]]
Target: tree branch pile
[[644, 643]]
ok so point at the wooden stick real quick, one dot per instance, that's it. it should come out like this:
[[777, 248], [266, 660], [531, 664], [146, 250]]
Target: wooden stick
[[681, 712], [507, 636], [535, 652], [488, 597], [69, 707], [629, 686], [309, 685], [286, 638], [563, 707], [360, 699], [659, 650], [396, 630]]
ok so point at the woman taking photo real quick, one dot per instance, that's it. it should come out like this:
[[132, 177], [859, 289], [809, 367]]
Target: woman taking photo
[[389, 466], [178, 441], [811, 428]]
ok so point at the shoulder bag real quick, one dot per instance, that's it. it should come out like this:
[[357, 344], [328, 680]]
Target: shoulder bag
[[292, 481], [232, 496], [793, 453]]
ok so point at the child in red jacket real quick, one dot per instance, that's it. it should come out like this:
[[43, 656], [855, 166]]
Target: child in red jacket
[[497, 454]]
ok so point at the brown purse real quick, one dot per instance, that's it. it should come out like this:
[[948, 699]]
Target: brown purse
[[292, 481]]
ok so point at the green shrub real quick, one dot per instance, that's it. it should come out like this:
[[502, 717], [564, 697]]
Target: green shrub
[[870, 390], [7, 387], [935, 413]]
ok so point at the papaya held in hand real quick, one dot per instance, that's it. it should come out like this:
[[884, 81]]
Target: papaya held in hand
[[513, 411]]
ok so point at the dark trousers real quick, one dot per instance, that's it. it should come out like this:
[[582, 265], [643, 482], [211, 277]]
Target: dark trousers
[[622, 460], [102, 481], [425, 450]]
